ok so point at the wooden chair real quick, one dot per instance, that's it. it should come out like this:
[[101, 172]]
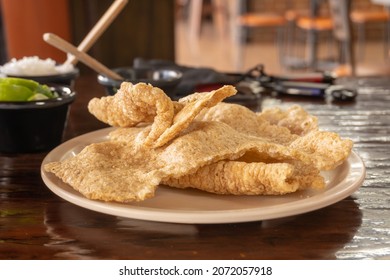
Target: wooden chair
[[243, 20], [311, 22], [219, 14], [360, 18], [313, 26], [340, 11]]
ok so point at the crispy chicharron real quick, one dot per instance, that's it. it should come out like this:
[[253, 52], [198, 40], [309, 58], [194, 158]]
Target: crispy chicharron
[[199, 142]]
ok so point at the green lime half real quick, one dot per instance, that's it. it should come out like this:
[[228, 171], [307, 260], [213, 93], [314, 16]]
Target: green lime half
[[38, 96], [44, 89], [30, 84], [9, 92]]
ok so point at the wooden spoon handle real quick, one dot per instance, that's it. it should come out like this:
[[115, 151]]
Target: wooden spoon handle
[[98, 29], [66, 47]]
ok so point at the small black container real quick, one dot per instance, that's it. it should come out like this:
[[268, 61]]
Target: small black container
[[34, 126], [165, 79]]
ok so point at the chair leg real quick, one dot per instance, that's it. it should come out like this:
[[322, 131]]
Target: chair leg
[[312, 54], [239, 39], [288, 44], [238, 33], [361, 41], [331, 46], [195, 19], [281, 44], [219, 17], [387, 40]]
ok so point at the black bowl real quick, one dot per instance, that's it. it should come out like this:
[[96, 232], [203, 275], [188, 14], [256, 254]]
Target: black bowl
[[66, 79], [34, 126], [165, 79]]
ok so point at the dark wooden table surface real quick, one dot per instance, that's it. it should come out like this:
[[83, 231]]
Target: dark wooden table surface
[[37, 224]]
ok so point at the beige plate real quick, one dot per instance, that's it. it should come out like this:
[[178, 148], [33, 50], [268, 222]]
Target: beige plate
[[196, 207]]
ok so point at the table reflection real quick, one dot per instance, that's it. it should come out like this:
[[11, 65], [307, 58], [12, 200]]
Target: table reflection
[[78, 233]]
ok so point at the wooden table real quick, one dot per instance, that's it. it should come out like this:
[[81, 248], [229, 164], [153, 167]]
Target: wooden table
[[37, 224]]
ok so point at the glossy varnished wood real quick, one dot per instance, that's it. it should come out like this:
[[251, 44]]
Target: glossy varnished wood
[[36, 224]]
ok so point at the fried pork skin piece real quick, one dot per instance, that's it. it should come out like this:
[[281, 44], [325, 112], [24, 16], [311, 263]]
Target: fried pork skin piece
[[328, 149], [294, 128], [246, 121], [116, 170], [202, 143], [134, 104], [207, 142], [255, 178], [192, 107], [295, 118], [108, 171]]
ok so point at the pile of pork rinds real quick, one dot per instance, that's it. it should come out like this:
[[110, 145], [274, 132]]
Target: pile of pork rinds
[[199, 142]]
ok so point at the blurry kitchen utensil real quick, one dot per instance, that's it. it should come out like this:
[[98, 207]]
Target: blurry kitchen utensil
[[165, 79], [311, 85], [98, 29], [65, 46]]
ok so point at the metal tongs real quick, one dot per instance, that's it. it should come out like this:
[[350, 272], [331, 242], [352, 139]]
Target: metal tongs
[[316, 84]]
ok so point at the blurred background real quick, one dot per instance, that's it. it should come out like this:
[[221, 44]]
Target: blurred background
[[227, 35]]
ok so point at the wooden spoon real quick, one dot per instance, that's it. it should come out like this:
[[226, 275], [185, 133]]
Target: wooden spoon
[[98, 29], [67, 47]]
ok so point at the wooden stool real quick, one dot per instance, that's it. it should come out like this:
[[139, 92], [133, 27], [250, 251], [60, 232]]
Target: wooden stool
[[257, 20], [340, 11], [317, 24], [360, 19], [219, 13], [261, 20], [313, 26]]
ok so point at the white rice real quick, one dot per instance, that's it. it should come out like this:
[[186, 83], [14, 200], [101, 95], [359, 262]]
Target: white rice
[[34, 66]]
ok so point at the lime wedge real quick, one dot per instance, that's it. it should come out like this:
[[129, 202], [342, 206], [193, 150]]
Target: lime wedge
[[38, 96], [44, 89], [9, 92], [30, 84]]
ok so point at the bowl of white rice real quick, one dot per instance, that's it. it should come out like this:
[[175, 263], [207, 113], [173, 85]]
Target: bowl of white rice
[[45, 71]]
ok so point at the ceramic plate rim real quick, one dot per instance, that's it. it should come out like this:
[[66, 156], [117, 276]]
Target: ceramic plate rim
[[353, 169]]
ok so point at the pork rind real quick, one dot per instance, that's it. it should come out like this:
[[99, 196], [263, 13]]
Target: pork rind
[[248, 122], [199, 142], [134, 104], [255, 178], [191, 109], [297, 120], [327, 149], [107, 171], [118, 171]]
